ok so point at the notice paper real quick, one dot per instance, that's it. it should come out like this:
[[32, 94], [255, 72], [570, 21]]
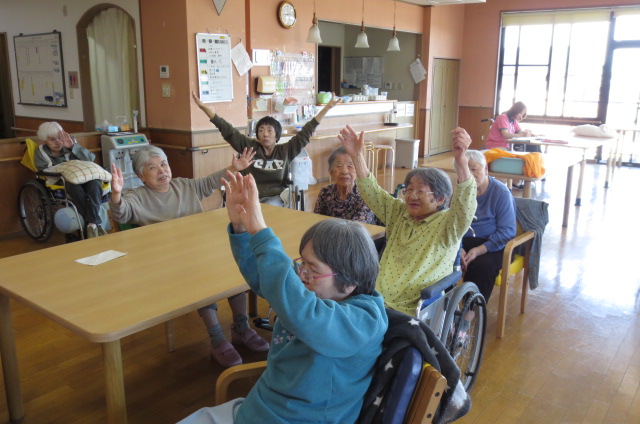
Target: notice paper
[[100, 258], [241, 58], [417, 71]]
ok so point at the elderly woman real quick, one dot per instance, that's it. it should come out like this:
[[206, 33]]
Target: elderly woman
[[342, 199], [273, 161], [481, 256], [331, 321], [423, 237], [162, 198], [60, 147]]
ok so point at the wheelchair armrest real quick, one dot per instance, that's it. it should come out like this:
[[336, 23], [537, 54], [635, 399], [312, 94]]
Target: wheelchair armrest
[[440, 285], [48, 174]]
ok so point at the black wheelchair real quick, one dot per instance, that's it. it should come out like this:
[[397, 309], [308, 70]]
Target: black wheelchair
[[41, 204]]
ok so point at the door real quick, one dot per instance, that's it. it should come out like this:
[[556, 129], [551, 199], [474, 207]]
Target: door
[[329, 69], [6, 96], [444, 104]]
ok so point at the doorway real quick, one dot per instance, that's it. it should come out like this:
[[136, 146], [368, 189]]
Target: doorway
[[329, 69], [6, 105], [444, 104]]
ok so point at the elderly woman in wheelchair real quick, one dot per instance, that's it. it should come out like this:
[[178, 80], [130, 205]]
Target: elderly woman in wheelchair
[[59, 147], [331, 321]]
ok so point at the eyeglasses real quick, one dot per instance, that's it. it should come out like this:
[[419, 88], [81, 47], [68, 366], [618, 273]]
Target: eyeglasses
[[408, 192], [306, 275]]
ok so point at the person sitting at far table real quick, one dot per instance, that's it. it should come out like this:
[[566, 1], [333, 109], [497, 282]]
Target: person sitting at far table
[[482, 249], [423, 236], [273, 161], [163, 198], [507, 126], [331, 320]]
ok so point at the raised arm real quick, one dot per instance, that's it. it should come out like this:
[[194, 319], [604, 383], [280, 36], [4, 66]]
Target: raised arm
[[332, 103], [354, 144], [461, 142], [206, 109]]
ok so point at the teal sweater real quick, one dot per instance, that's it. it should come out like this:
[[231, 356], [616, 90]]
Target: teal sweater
[[322, 353]]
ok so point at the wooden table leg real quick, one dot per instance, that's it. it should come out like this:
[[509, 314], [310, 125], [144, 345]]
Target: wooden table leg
[[10, 363], [580, 179], [567, 197], [526, 191], [114, 379]]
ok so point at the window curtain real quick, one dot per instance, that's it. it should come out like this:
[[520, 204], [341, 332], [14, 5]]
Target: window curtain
[[111, 39]]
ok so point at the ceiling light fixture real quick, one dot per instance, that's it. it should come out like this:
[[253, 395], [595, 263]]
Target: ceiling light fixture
[[362, 42], [394, 44], [314, 31]]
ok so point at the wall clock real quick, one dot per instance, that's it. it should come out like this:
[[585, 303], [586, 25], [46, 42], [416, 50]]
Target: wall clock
[[286, 14]]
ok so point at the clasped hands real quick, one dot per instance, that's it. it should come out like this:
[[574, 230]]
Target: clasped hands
[[243, 204]]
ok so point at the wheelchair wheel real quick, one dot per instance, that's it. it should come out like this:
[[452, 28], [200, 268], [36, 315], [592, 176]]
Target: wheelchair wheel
[[465, 340], [35, 210]]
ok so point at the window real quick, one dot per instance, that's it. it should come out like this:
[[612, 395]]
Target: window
[[555, 61]]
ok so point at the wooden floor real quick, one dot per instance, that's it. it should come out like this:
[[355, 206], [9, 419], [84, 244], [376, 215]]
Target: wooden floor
[[573, 357]]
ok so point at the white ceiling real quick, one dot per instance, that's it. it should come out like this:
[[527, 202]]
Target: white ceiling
[[441, 2]]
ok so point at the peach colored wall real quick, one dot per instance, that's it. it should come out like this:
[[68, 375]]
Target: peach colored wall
[[482, 36], [445, 39], [163, 24], [202, 17]]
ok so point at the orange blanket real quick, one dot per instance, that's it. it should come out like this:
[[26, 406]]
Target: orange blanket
[[533, 162]]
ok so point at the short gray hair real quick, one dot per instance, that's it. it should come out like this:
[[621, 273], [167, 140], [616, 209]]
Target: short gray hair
[[48, 129], [473, 156], [436, 179], [142, 156], [336, 152], [346, 247]]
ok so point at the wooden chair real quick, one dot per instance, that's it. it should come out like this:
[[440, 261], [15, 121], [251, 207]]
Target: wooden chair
[[512, 267], [426, 393]]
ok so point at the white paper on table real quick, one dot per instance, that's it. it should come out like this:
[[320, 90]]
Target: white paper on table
[[241, 58], [417, 71], [100, 258]]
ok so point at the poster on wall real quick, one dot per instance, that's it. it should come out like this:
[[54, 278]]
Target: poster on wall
[[40, 69], [215, 83], [363, 70]]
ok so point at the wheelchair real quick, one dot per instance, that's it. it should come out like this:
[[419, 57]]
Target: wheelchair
[[40, 203]]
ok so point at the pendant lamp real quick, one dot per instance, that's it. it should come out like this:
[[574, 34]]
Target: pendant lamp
[[314, 31], [362, 42], [394, 45]]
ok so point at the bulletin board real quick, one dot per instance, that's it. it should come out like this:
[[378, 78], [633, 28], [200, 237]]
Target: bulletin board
[[359, 71], [40, 69], [215, 81]]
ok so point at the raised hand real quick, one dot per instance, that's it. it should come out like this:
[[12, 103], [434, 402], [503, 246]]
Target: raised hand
[[65, 139], [461, 142], [352, 141], [206, 109], [244, 160], [243, 204], [117, 182]]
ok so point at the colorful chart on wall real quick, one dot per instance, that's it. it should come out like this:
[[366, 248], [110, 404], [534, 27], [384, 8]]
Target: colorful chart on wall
[[215, 82], [40, 69]]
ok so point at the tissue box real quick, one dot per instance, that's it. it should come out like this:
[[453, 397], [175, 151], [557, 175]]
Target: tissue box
[[507, 166]]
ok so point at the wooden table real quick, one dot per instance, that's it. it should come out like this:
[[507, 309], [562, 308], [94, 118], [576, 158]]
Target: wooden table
[[552, 164], [170, 269], [583, 144]]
